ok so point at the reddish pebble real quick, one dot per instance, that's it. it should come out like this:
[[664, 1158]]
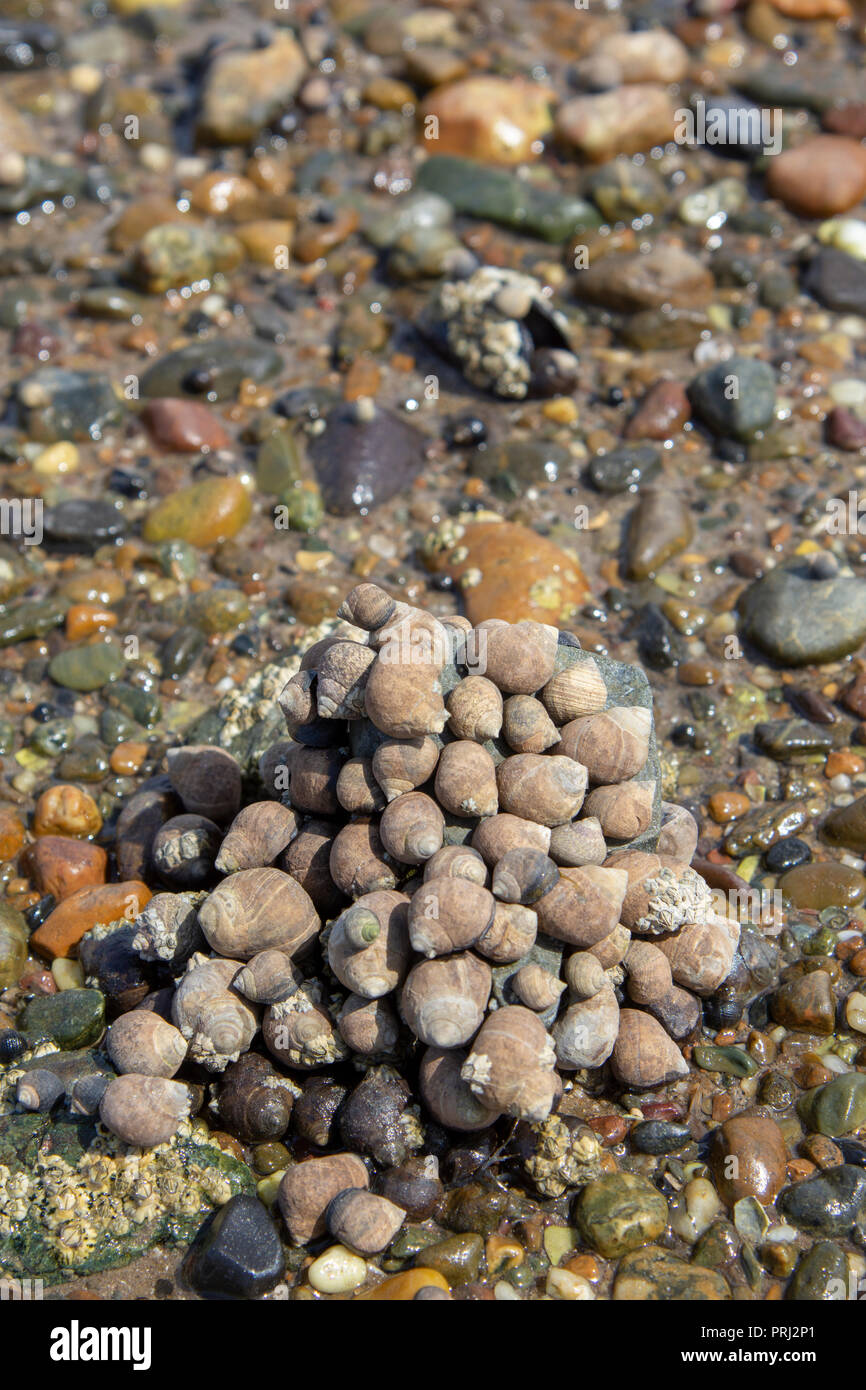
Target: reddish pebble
[[662, 412], [61, 865], [845, 430], [36, 340], [611, 1129], [36, 981], [857, 963], [186, 427], [823, 176]]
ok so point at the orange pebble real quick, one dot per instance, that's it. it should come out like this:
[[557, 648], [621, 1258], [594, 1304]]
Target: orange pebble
[[726, 806], [82, 619], [843, 761], [66, 810], [11, 832], [127, 758], [584, 1265], [857, 963], [402, 1287]]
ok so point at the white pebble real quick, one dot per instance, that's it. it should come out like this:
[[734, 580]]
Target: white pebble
[[855, 1012], [337, 1271], [505, 1293], [562, 1284], [695, 1209]]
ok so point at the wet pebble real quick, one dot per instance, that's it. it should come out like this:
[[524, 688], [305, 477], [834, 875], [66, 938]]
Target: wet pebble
[[623, 470], [800, 619], [365, 456], [828, 1203], [238, 1253]]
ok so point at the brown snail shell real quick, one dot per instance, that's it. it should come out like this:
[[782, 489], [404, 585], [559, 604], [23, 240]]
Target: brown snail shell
[[381, 966], [611, 949], [524, 876], [644, 1055], [268, 977], [143, 1042], [39, 1089], [254, 1101], [342, 678], [358, 792], [144, 1110], [578, 842], [297, 700], [412, 828], [511, 934], [401, 765], [578, 690], [496, 835], [625, 809], [404, 699], [308, 860], [536, 987], [167, 928], [546, 788], [585, 905], [367, 606], [308, 1188], [300, 1031], [584, 974], [363, 1222], [256, 836], [466, 780], [449, 914], [443, 1000], [256, 909], [457, 861], [650, 984], [519, 657], [207, 780], [585, 1035], [612, 746], [184, 851], [313, 774], [510, 1066], [527, 727], [358, 861], [701, 954], [447, 1096], [369, 1026], [662, 895], [218, 1024], [475, 709], [678, 837]]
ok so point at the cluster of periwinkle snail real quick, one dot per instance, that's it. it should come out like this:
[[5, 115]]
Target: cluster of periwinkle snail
[[463, 860]]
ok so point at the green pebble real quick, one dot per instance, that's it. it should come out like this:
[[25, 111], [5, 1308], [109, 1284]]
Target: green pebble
[[839, 1107], [821, 1276], [73, 1018], [87, 668], [457, 1258], [181, 651], [620, 1211], [30, 618], [116, 727], [85, 761], [52, 738], [732, 1061], [139, 704], [218, 610]]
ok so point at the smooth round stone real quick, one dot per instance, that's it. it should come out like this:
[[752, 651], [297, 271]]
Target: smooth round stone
[[802, 620], [138, 704], [73, 1018], [623, 470], [846, 826], [728, 118], [384, 226], [181, 651], [730, 1061], [740, 415], [806, 1003], [838, 281], [501, 120], [664, 276], [659, 527], [83, 522], [87, 668], [214, 369], [60, 404], [623, 190], [787, 853], [823, 176], [518, 464], [244, 90], [218, 610], [110, 302], [13, 944], [757, 1147], [85, 761], [520, 574], [791, 738], [837, 1108], [202, 514], [30, 618], [659, 1136], [187, 427], [238, 1254], [624, 121], [719, 1245], [655, 1275], [821, 1276], [457, 1258], [619, 1212], [816, 886], [828, 1203], [364, 457]]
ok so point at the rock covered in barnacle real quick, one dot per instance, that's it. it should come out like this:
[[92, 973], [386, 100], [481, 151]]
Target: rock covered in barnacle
[[501, 331], [559, 1157]]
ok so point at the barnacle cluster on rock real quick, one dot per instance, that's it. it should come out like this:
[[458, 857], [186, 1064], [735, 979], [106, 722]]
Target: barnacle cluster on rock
[[464, 856]]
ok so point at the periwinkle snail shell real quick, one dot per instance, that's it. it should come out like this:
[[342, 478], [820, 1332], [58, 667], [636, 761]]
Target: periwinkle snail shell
[[218, 1023], [145, 1110], [256, 909], [143, 1042], [443, 1000]]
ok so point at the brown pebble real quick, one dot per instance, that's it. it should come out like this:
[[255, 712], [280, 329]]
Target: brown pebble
[[66, 810], [726, 806], [184, 427], [661, 414], [823, 176]]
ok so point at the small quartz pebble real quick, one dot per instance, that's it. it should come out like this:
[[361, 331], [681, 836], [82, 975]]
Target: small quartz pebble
[[337, 1270]]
